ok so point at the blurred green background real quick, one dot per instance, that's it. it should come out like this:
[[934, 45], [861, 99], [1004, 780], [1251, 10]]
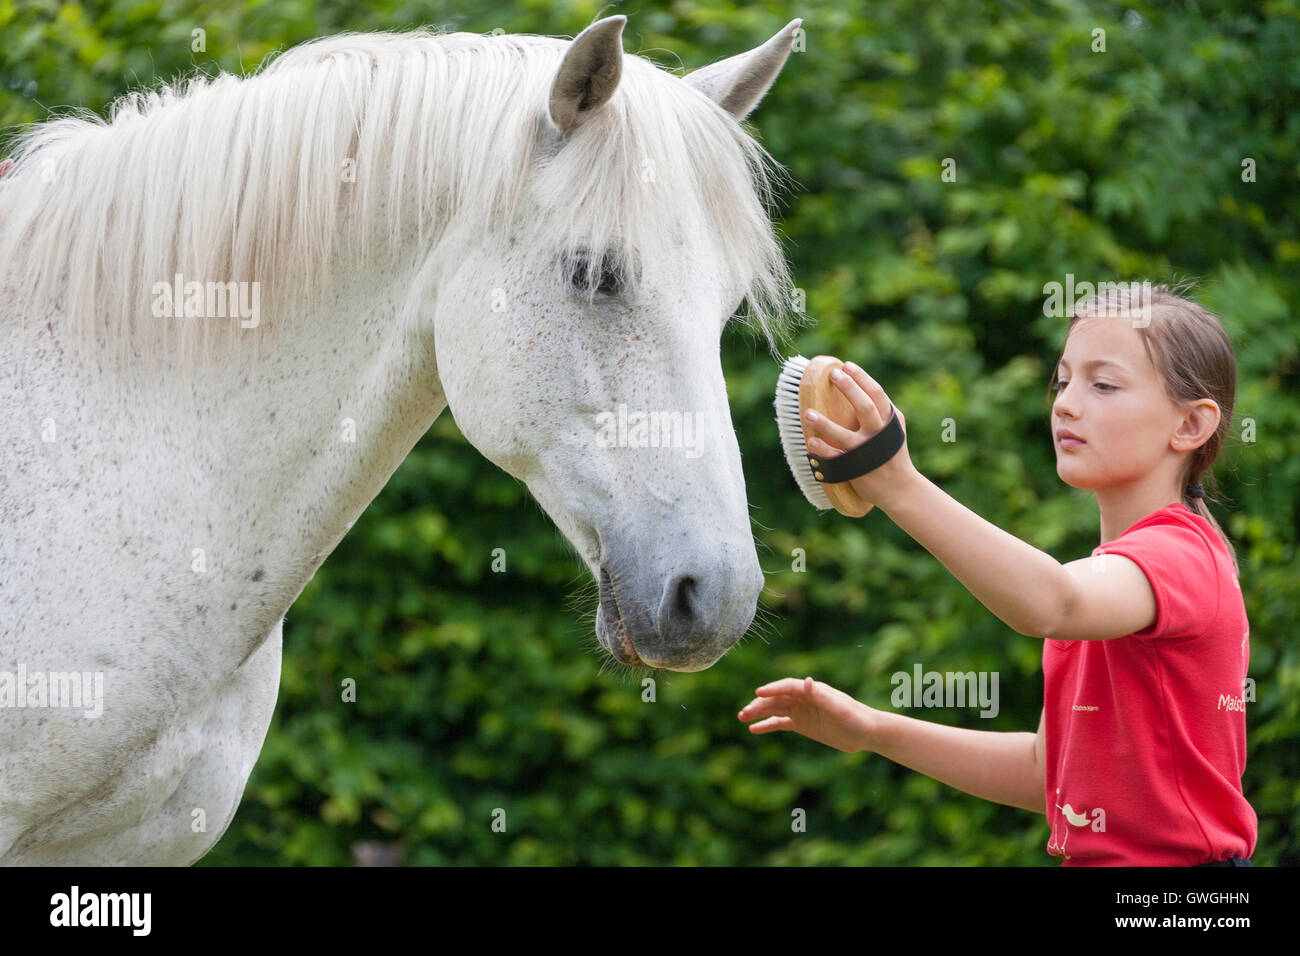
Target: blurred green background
[[478, 690]]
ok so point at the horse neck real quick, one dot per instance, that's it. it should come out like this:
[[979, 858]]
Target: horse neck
[[316, 429], [260, 468]]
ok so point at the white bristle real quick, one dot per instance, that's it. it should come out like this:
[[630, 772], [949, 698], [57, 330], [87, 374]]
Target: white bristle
[[791, 430]]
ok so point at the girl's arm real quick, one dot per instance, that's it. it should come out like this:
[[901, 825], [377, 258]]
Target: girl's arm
[[1022, 585], [1091, 599], [1002, 767], [1095, 598]]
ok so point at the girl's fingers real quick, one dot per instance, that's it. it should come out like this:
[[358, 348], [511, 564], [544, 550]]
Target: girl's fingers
[[792, 686], [823, 427], [825, 449], [873, 389], [870, 403], [870, 417], [875, 392], [766, 707], [771, 724]]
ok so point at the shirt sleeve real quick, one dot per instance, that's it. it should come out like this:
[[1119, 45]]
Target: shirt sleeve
[[1183, 575]]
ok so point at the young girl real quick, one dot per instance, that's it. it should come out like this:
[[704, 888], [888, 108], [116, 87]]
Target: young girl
[[1141, 746]]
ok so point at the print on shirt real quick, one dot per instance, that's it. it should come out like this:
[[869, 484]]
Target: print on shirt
[[1073, 817]]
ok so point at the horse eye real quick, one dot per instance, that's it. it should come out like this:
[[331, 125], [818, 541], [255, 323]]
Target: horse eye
[[610, 279]]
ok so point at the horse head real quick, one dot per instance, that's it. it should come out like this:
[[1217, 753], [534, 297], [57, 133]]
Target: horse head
[[578, 340]]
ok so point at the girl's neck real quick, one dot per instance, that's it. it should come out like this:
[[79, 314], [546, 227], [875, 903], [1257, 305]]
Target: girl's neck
[[1123, 507]]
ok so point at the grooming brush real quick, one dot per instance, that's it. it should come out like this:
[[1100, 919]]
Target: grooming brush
[[825, 482]]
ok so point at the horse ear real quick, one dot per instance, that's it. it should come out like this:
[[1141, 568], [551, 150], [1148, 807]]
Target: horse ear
[[589, 73], [739, 82]]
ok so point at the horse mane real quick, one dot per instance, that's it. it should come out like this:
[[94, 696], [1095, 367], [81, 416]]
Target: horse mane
[[231, 178]]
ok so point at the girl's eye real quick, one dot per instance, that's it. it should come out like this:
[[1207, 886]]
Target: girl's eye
[[1061, 383]]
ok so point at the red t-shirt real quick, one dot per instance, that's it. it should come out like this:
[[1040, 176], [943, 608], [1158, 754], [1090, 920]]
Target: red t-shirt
[[1145, 735]]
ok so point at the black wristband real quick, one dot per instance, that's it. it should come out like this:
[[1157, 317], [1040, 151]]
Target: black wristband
[[868, 456]]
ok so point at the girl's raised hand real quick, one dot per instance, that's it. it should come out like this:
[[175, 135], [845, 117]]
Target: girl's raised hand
[[811, 708], [872, 407]]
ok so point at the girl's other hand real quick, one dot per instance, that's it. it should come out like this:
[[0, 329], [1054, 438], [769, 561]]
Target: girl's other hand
[[814, 709]]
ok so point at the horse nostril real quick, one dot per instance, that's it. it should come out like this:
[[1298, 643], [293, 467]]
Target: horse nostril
[[685, 595], [683, 605]]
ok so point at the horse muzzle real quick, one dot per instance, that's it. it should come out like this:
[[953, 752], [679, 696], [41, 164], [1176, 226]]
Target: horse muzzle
[[684, 620]]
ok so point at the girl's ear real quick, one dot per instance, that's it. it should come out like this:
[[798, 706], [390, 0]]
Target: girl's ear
[[1198, 424]]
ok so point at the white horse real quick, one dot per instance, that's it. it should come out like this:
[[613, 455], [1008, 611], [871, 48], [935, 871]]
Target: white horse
[[229, 312]]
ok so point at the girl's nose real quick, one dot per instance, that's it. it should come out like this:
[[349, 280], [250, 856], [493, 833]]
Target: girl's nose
[[1063, 404]]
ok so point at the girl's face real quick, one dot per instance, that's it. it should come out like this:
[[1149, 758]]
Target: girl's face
[[1109, 395]]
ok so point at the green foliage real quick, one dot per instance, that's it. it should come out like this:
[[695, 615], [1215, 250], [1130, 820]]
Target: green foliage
[[479, 690]]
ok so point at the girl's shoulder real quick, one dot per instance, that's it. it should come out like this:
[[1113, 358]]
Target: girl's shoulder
[[1189, 568], [1172, 526]]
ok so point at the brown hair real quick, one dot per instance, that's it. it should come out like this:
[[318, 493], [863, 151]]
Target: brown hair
[[1192, 354]]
